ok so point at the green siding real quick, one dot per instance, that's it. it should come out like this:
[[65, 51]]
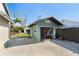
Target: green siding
[[44, 24], [34, 32]]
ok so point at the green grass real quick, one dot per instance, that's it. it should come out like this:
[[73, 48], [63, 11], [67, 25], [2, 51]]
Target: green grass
[[23, 35]]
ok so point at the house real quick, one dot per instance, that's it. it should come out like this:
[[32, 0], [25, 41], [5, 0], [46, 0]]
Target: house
[[5, 24], [70, 23], [44, 28]]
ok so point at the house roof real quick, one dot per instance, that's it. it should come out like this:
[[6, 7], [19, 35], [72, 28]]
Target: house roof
[[6, 16], [50, 18], [6, 9], [70, 23]]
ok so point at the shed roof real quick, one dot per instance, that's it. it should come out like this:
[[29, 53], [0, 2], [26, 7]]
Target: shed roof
[[50, 18]]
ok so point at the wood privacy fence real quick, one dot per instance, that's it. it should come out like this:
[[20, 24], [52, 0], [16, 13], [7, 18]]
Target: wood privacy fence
[[71, 34]]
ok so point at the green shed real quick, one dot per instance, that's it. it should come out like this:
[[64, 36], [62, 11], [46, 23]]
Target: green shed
[[44, 28]]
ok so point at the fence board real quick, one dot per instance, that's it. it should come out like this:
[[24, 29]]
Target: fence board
[[71, 34]]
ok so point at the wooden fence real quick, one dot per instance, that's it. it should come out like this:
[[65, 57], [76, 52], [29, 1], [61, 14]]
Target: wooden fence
[[71, 34]]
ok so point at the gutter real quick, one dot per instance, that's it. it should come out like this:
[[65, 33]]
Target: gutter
[[6, 8], [6, 17]]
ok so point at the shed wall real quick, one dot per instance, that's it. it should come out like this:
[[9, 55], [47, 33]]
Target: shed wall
[[36, 29]]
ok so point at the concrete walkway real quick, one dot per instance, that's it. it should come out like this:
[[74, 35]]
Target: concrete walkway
[[19, 41], [38, 49], [72, 46]]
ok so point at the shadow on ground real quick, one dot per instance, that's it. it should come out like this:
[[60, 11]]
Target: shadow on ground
[[68, 45], [19, 41]]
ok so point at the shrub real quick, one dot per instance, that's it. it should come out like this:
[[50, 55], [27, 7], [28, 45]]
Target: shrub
[[17, 29]]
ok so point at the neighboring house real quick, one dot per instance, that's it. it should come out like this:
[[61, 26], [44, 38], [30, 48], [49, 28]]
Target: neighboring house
[[44, 28], [5, 24], [70, 23]]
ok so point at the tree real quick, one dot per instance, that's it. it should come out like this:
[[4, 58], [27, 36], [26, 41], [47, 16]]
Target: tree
[[18, 20], [16, 27]]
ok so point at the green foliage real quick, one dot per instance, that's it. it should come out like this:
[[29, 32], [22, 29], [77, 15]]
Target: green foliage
[[23, 35], [16, 29], [18, 20]]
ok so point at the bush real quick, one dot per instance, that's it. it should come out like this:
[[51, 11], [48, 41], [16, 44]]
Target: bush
[[17, 29]]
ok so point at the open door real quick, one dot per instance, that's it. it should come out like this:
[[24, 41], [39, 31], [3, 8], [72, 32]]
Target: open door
[[46, 33]]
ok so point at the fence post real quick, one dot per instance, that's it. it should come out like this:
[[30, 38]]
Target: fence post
[[54, 33]]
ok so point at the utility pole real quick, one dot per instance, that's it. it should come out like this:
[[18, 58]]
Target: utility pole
[[25, 19]]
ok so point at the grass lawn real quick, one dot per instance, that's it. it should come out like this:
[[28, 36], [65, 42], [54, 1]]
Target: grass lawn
[[23, 35]]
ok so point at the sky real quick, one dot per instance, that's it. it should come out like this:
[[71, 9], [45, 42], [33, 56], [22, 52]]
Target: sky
[[33, 11]]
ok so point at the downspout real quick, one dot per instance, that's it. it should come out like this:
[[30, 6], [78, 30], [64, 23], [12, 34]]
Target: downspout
[[9, 30]]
